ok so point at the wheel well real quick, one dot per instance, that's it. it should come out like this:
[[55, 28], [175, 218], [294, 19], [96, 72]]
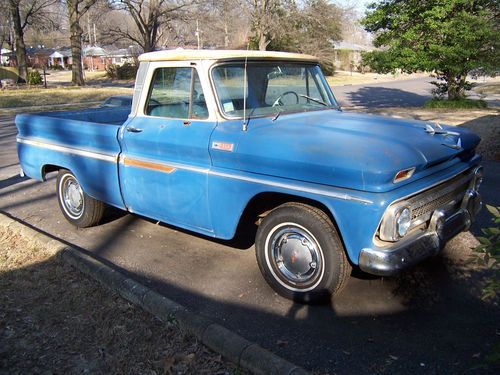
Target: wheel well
[[260, 205], [48, 168]]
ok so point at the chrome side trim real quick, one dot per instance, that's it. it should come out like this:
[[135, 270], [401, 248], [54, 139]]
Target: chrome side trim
[[69, 150], [323, 192]]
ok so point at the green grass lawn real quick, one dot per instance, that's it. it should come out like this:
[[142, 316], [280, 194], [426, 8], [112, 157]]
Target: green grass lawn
[[68, 95], [455, 104]]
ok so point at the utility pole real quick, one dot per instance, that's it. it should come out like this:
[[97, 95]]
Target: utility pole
[[197, 33], [88, 30]]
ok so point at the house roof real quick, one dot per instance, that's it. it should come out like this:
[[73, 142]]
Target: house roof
[[66, 52], [121, 52], [191, 54], [94, 51], [39, 51]]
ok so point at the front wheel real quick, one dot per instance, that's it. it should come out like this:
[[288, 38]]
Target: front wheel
[[77, 207], [300, 253]]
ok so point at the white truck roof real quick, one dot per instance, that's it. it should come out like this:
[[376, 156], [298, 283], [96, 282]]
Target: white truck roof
[[202, 54]]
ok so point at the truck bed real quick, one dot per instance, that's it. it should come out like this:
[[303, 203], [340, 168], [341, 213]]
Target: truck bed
[[83, 141]]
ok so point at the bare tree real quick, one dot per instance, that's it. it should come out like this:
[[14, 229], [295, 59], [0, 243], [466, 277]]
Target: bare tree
[[266, 20], [320, 25], [19, 39], [76, 10], [26, 13], [151, 20], [6, 34]]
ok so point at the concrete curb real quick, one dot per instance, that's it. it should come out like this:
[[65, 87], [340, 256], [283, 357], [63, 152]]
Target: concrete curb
[[231, 346]]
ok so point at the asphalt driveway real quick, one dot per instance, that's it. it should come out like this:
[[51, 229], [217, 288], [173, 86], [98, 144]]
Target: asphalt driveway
[[429, 320]]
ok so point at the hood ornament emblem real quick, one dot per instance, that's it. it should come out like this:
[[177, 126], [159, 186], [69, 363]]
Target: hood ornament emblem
[[438, 129], [456, 146]]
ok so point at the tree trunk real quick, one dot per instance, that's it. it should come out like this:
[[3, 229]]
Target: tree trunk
[[76, 42], [19, 37], [263, 42], [76, 55], [461, 86], [456, 86], [452, 86]]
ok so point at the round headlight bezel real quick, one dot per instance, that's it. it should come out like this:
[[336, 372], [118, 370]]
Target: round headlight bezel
[[402, 228], [389, 229]]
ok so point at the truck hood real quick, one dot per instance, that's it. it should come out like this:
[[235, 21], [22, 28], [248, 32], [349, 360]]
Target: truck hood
[[351, 150]]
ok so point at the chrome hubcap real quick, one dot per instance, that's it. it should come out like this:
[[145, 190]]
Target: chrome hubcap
[[296, 255], [73, 197]]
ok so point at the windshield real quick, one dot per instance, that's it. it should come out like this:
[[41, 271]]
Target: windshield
[[271, 88]]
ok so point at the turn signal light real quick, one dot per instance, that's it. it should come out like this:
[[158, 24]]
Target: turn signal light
[[403, 174]]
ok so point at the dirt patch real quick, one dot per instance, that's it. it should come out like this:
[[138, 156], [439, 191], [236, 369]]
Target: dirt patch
[[53, 319], [485, 123]]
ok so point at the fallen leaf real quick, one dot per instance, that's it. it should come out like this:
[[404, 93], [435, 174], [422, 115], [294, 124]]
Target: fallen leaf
[[393, 357]]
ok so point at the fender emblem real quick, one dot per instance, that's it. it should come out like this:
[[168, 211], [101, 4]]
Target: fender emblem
[[223, 146]]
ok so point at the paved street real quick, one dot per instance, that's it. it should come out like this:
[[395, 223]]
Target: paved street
[[428, 320], [403, 93], [408, 93]]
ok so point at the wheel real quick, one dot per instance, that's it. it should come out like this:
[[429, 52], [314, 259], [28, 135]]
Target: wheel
[[77, 207], [279, 102], [300, 253]]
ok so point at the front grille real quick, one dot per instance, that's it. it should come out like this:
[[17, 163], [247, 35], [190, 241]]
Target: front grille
[[447, 196]]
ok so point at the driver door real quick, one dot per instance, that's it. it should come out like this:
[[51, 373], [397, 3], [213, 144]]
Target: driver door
[[164, 162]]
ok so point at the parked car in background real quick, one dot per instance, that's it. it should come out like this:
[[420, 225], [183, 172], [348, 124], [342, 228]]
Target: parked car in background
[[118, 101]]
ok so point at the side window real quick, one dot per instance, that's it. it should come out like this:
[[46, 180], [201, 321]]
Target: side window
[[176, 93]]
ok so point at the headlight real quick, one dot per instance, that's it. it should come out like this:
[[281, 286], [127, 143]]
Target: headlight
[[396, 222], [403, 221]]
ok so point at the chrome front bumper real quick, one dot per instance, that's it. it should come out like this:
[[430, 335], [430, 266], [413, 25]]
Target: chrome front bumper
[[388, 260]]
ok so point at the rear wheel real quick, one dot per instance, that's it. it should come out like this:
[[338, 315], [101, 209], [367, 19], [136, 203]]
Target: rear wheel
[[77, 207], [300, 253]]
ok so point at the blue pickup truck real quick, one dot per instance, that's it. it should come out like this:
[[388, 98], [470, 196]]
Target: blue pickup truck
[[220, 142]]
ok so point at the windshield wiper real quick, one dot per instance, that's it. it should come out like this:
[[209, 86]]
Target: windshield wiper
[[314, 99]]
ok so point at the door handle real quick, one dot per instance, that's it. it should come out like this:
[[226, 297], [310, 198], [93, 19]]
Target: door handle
[[131, 129]]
